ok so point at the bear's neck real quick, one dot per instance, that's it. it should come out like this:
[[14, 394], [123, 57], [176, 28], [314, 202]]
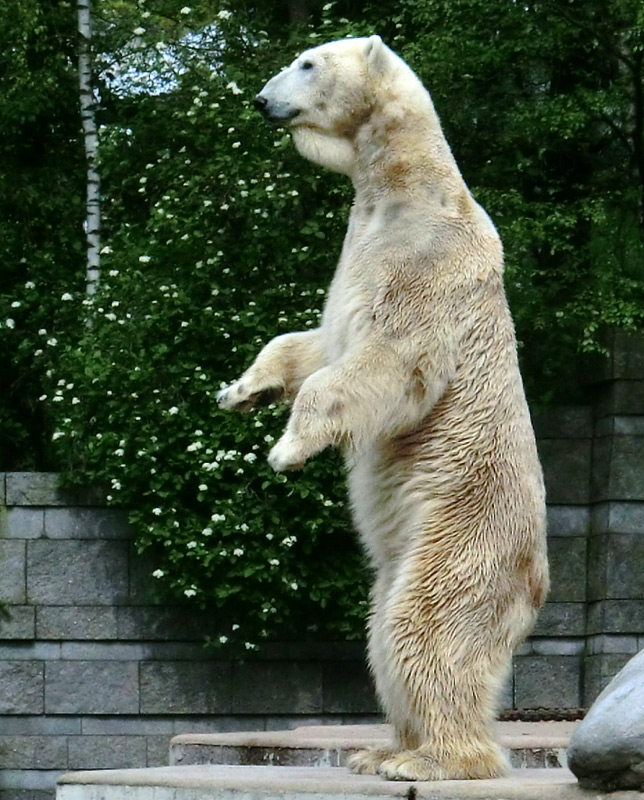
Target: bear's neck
[[401, 150]]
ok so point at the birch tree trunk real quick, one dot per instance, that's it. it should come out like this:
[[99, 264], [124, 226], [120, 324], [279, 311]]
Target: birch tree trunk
[[90, 133]]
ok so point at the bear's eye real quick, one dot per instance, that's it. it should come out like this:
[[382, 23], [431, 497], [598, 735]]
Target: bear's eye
[[306, 65]]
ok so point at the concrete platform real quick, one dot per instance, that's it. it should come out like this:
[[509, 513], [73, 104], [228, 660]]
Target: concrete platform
[[528, 744], [311, 783]]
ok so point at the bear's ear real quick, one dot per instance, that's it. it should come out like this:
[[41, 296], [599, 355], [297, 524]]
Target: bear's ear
[[376, 54]]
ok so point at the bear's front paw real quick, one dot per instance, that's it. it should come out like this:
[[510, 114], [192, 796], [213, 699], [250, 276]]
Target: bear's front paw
[[412, 765], [288, 453], [246, 393]]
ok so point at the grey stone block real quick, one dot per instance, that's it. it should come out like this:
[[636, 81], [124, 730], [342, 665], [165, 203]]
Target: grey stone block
[[606, 643], [22, 523], [626, 517], [43, 489], [568, 520], [617, 468], [40, 726], [162, 622], [30, 781], [29, 651], [567, 558], [158, 751], [183, 687], [616, 616], [218, 724], [629, 426], [21, 687], [77, 573], [561, 619], [277, 688], [3, 493], [566, 466], [599, 670], [547, 681], [105, 651], [128, 726], [19, 622], [623, 556], [26, 794], [76, 622], [86, 523], [33, 752], [107, 752], [563, 422], [622, 397], [12, 573], [348, 689], [558, 647], [92, 687]]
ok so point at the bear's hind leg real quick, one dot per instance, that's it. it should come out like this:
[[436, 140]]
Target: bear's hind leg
[[438, 671]]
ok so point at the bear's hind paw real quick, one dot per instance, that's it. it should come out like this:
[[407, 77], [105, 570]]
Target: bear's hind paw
[[367, 762], [411, 765]]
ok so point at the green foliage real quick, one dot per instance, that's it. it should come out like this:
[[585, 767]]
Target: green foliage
[[41, 233], [218, 237]]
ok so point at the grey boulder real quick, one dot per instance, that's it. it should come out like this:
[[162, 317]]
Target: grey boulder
[[606, 751]]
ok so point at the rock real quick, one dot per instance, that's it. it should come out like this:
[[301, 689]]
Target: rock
[[606, 750]]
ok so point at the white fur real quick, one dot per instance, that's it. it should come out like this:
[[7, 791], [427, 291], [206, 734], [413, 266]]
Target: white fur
[[413, 373]]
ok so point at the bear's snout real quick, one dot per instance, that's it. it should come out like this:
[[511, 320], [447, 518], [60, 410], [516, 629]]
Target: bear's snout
[[260, 103]]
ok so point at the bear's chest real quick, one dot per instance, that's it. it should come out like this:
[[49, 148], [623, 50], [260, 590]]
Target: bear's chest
[[347, 317]]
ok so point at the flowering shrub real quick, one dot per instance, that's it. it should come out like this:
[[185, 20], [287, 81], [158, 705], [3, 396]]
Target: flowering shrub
[[219, 237]]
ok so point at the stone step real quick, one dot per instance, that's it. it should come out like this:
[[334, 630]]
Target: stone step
[[311, 783], [527, 744]]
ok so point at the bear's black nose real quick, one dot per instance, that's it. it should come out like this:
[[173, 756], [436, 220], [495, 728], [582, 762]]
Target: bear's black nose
[[260, 103]]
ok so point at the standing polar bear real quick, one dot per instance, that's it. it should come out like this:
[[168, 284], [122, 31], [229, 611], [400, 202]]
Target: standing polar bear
[[413, 373]]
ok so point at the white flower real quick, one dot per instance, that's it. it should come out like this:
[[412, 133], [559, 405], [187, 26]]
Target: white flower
[[144, 259], [250, 646], [218, 518], [190, 592], [234, 88], [235, 145], [268, 438], [116, 484], [138, 31], [30, 285], [327, 7], [269, 536], [234, 627], [203, 487], [185, 10], [238, 551], [173, 410], [274, 562], [158, 573], [42, 332], [119, 452], [106, 250], [206, 532], [223, 14], [223, 639], [192, 448], [157, 512], [250, 457], [293, 586], [191, 545], [42, 398], [16, 304], [10, 323], [57, 435], [289, 541]]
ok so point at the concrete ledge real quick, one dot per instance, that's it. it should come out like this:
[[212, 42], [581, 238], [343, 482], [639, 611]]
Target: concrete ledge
[[528, 744], [306, 783]]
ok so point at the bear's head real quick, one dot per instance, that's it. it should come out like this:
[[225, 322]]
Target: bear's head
[[328, 93]]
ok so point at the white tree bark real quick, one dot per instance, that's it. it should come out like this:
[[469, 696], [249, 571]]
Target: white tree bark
[[90, 133]]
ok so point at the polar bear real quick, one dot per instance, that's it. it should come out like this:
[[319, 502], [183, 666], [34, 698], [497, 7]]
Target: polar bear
[[413, 373]]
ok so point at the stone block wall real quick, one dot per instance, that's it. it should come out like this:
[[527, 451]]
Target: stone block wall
[[94, 674]]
